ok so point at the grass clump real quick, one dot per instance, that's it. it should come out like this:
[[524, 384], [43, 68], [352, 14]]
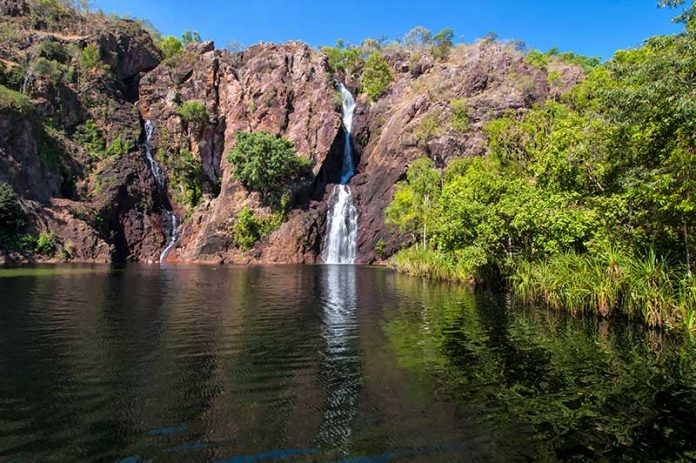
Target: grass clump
[[250, 228], [609, 283], [430, 263]]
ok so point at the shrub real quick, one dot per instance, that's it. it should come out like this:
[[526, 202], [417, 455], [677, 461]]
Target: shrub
[[45, 244], [379, 249], [460, 115], [187, 175], [342, 58], [90, 57], [249, 228], [170, 46], [537, 59], [193, 111], [12, 76], [54, 51], [12, 217], [44, 13], [50, 70], [428, 128], [433, 264], [89, 137], [266, 163], [377, 75], [10, 99], [119, 147], [442, 43]]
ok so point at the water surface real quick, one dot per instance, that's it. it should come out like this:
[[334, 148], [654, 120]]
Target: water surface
[[327, 363]]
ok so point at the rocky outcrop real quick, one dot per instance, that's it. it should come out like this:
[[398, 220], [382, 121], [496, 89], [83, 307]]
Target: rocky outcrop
[[281, 89], [106, 205], [416, 119], [97, 206]]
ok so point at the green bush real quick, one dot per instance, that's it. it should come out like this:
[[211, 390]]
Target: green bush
[[428, 128], [187, 174], [266, 163], [12, 216], [46, 244], [170, 46], [119, 147], [12, 76], [460, 115], [54, 51], [45, 13], [343, 58], [442, 43], [249, 228], [47, 69], [13, 100], [537, 59], [377, 76], [89, 137], [193, 111], [90, 58]]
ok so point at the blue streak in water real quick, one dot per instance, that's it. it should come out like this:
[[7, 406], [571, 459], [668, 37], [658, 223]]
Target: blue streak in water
[[165, 431], [270, 455]]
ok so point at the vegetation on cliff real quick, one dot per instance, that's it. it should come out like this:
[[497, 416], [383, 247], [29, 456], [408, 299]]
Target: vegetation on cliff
[[267, 164], [587, 202]]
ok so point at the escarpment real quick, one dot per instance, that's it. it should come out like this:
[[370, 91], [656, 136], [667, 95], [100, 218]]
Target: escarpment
[[72, 135]]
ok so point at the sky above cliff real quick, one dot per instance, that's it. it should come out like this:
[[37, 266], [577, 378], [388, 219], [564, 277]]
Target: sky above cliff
[[589, 27]]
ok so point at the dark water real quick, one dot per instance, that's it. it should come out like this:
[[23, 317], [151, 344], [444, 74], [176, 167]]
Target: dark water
[[305, 364]]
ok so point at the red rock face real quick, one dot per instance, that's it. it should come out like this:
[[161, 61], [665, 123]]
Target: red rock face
[[112, 210], [281, 89], [392, 132]]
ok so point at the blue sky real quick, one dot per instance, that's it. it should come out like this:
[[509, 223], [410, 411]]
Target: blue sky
[[590, 27]]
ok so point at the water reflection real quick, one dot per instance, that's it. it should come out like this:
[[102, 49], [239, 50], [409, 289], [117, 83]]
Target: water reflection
[[341, 361], [326, 363]]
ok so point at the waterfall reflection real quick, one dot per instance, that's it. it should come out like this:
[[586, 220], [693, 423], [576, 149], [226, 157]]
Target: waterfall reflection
[[341, 359]]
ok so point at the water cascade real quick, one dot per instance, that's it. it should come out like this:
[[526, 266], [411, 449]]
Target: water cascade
[[342, 219], [171, 221]]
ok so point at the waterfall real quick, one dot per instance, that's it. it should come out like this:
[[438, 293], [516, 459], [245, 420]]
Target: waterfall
[[170, 219], [342, 219]]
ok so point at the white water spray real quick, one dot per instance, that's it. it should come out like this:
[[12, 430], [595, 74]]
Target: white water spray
[[171, 221], [342, 220]]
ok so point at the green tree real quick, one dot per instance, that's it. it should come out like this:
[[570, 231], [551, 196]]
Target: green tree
[[377, 76], [414, 209], [418, 37], [442, 43], [170, 46], [190, 37], [266, 163]]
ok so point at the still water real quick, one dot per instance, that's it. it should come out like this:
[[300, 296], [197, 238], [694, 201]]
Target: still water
[[326, 363]]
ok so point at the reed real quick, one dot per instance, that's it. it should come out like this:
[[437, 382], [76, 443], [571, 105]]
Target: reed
[[610, 283], [430, 263]]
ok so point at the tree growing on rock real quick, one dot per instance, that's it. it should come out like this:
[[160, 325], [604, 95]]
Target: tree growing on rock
[[267, 164], [377, 76], [415, 205]]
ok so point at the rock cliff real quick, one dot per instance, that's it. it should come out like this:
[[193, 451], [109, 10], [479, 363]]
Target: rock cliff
[[71, 134]]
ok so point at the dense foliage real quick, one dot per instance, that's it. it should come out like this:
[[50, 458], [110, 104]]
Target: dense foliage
[[377, 76], [193, 111], [249, 227], [610, 168], [266, 163]]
